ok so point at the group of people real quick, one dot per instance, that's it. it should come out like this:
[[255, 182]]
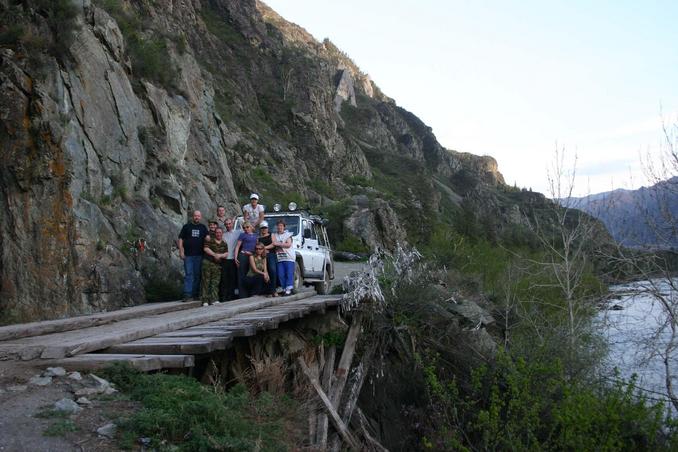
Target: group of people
[[222, 264]]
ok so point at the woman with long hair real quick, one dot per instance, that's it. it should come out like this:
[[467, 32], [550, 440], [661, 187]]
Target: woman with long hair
[[257, 278], [266, 239], [244, 248]]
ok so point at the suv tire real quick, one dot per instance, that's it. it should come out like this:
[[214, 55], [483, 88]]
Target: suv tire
[[323, 287], [298, 277]]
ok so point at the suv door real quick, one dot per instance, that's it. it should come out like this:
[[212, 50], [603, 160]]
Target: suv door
[[312, 249], [324, 245]]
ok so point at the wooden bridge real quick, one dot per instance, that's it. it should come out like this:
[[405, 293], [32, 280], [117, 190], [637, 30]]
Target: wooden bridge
[[152, 336]]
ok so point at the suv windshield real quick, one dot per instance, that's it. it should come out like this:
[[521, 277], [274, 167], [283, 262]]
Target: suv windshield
[[291, 222]]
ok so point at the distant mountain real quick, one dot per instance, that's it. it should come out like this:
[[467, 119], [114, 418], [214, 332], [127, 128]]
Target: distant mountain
[[647, 217]]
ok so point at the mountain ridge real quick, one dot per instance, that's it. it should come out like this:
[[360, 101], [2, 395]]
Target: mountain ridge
[[641, 218]]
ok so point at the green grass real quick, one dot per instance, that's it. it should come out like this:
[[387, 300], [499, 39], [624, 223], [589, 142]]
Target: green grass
[[352, 244], [221, 28], [60, 427], [330, 338], [179, 413], [322, 187]]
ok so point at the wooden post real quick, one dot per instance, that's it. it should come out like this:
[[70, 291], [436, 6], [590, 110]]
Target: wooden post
[[343, 430], [323, 421], [346, 359], [313, 414], [362, 421]]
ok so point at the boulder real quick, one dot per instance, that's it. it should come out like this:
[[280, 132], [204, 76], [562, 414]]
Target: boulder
[[108, 430], [40, 381], [67, 406], [54, 372]]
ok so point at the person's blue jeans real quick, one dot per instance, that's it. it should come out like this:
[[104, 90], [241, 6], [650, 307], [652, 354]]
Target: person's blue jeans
[[192, 269], [243, 268], [272, 266], [286, 274]]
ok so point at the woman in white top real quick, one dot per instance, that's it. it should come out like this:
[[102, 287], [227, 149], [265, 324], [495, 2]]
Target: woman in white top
[[282, 241]]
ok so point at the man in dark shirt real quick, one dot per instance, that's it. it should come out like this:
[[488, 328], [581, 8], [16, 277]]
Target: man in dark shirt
[[191, 244]]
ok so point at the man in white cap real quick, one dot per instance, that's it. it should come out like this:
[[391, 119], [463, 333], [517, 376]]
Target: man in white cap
[[253, 212]]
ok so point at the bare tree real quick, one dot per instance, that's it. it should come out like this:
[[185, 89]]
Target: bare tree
[[654, 265], [567, 236]]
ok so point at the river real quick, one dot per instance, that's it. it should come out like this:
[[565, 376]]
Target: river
[[637, 332]]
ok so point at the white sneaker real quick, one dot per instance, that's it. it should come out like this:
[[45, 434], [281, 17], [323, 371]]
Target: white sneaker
[[205, 304], [217, 302]]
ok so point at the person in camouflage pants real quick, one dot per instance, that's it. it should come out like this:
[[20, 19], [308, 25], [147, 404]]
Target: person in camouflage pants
[[215, 250]]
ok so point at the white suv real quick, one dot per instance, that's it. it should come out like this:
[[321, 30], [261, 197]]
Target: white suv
[[314, 258]]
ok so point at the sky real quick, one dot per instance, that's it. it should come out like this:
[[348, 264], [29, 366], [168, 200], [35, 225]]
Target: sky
[[519, 79]]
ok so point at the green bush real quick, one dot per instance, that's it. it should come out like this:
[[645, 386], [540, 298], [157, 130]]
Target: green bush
[[538, 393], [516, 405], [61, 17], [150, 59], [322, 187], [352, 244], [178, 413], [221, 28], [158, 289], [149, 53], [11, 34]]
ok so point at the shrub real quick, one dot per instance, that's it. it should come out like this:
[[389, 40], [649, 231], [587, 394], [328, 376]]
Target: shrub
[[189, 416], [11, 34], [158, 289], [352, 244], [149, 54], [516, 405], [150, 59], [61, 18]]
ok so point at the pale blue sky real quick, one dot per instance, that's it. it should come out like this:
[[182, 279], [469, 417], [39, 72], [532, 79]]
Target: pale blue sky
[[511, 79]]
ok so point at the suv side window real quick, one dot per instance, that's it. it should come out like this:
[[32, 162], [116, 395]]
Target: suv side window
[[317, 229], [308, 226]]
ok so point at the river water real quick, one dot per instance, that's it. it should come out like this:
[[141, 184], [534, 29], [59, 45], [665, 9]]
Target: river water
[[638, 333]]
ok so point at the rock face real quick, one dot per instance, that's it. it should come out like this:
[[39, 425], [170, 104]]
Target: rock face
[[125, 117], [345, 91]]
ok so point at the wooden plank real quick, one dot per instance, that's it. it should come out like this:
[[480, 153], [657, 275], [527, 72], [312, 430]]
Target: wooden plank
[[171, 346], [264, 317], [60, 345], [292, 312], [263, 324], [86, 321], [342, 429], [194, 333], [235, 330], [145, 363]]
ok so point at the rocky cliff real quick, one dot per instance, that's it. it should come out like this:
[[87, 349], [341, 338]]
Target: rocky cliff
[[119, 117]]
